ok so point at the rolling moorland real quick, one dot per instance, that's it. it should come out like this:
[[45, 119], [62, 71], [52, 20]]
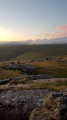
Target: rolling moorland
[[28, 52], [22, 93]]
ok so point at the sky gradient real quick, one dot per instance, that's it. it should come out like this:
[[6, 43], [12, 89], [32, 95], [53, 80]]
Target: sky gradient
[[32, 19]]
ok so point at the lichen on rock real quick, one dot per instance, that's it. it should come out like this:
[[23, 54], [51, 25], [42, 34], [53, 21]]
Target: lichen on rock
[[54, 108]]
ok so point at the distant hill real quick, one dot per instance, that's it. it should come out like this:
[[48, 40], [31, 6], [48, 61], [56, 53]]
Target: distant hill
[[28, 52], [37, 42]]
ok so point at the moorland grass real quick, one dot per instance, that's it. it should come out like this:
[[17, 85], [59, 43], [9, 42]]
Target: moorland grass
[[56, 85], [5, 74], [57, 69]]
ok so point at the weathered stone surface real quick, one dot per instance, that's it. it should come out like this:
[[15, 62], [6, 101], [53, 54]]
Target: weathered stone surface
[[17, 105], [47, 105]]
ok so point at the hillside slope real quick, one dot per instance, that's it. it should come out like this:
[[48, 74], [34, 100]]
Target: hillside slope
[[20, 52]]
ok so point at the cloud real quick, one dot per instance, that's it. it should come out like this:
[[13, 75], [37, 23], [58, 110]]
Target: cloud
[[37, 41], [50, 41], [62, 28], [59, 32]]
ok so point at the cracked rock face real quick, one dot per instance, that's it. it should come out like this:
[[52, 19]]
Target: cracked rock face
[[17, 105], [54, 107]]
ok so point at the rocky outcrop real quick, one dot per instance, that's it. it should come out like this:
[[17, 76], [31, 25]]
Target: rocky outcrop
[[48, 59], [39, 76], [25, 68], [54, 107], [5, 81], [17, 105], [27, 77]]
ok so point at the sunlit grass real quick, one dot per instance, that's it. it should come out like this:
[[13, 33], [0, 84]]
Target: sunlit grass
[[58, 70], [5, 74]]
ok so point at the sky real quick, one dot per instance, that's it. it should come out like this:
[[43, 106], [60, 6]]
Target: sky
[[22, 20]]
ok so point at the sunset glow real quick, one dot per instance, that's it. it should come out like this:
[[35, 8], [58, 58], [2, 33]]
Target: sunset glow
[[23, 20]]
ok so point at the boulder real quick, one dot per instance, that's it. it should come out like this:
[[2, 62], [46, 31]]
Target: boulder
[[17, 105], [18, 62]]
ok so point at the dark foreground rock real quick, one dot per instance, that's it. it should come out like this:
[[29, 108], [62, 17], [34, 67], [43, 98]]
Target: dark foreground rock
[[54, 107], [46, 105], [17, 105]]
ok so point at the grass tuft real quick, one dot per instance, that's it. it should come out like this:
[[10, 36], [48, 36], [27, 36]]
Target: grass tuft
[[56, 85]]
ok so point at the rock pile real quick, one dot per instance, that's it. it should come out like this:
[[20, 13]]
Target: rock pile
[[50, 59], [25, 68], [62, 60]]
